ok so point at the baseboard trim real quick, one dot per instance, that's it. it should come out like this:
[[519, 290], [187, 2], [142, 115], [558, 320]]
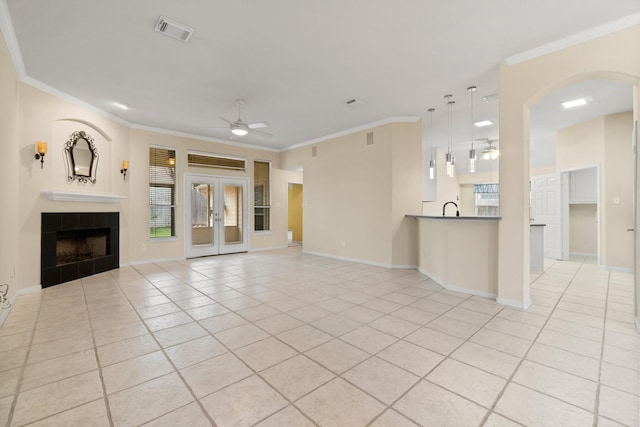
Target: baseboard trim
[[360, 261], [151, 261], [28, 290], [272, 248], [461, 289], [515, 304], [586, 254], [616, 268]]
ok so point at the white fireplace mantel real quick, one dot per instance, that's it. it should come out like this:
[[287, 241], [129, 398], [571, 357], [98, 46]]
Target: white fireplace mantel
[[66, 196]]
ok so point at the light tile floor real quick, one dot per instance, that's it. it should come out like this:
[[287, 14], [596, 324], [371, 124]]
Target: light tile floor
[[283, 338]]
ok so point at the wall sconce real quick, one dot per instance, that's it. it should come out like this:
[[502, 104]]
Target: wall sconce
[[123, 171], [41, 150]]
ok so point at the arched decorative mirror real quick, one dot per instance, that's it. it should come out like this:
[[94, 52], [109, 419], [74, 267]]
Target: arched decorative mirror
[[82, 157]]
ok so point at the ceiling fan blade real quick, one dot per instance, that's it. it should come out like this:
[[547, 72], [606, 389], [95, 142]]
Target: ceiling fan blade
[[226, 120], [260, 132], [258, 125]]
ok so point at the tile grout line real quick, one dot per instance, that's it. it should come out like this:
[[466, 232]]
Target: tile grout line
[[596, 409], [446, 357], [176, 370], [230, 351], [310, 289], [97, 359], [18, 388], [371, 355], [523, 358]]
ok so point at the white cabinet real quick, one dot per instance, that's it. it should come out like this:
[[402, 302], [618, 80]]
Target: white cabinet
[[583, 186], [536, 250]]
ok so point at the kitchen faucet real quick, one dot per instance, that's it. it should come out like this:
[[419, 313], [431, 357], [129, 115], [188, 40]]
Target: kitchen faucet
[[454, 204]]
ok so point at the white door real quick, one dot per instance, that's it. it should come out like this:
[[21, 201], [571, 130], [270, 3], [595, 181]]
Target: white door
[[545, 209], [216, 215]]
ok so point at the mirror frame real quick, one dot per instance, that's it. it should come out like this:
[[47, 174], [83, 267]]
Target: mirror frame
[[70, 159]]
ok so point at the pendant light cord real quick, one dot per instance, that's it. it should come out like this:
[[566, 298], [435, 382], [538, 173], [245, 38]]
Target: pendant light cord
[[431, 110], [472, 89], [450, 121]]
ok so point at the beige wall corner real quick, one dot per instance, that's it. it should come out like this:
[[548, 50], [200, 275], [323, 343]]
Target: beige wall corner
[[357, 194], [9, 243]]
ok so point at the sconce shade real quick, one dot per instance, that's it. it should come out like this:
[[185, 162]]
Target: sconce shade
[[125, 166], [41, 148]]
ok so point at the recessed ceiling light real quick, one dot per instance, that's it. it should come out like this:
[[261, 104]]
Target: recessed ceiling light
[[483, 123], [574, 103]]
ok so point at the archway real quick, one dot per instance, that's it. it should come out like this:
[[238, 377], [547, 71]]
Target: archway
[[615, 56]]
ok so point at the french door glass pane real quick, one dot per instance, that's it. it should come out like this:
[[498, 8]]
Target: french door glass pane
[[233, 214], [202, 227]]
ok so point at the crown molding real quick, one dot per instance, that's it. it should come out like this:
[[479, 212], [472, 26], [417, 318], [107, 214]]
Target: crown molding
[[575, 39], [402, 119], [202, 138], [6, 27]]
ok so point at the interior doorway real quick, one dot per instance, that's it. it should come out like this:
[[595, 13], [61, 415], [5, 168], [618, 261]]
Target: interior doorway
[[294, 234], [216, 215], [581, 213]]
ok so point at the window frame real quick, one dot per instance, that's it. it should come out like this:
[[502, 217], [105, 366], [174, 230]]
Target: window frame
[[174, 187], [268, 206]]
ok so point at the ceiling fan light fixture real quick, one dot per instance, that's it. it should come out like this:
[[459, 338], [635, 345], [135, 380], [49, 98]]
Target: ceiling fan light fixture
[[239, 130]]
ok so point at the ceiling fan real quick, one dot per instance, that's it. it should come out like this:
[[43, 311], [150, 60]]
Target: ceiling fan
[[240, 128], [490, 152]]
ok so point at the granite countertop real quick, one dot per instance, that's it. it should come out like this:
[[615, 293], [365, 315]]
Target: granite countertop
[[465, 218]]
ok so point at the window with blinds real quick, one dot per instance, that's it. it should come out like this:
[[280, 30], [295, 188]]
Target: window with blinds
[[162, 192], [262, 195], [215, 161]]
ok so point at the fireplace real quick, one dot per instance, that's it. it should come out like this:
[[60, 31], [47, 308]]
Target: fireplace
[[76, 245]]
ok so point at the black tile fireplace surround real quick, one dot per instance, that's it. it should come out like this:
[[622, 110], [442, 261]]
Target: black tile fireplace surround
[[62, 225]]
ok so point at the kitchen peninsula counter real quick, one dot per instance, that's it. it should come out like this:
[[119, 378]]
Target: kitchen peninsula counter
[[460, 253]]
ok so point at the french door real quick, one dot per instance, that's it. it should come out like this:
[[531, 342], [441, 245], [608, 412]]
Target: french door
[[216, 215]]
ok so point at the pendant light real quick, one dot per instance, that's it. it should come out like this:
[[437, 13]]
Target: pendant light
[[432, 162], [451, 161], [472, 152]]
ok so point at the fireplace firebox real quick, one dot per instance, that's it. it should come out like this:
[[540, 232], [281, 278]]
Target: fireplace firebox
[[76, 245]]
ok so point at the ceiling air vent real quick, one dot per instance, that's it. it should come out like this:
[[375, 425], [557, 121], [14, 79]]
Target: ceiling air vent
[[491, 98], [174, 29], [355, 102], [208, 160]]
